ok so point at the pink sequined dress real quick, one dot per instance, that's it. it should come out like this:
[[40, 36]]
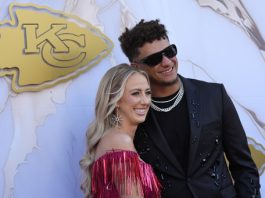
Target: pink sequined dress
[[116, 171]]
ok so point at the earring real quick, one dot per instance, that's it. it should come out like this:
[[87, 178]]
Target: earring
[[116, 118]]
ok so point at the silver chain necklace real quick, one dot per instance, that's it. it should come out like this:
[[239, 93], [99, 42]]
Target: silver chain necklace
[[178, 97], [165, 101]]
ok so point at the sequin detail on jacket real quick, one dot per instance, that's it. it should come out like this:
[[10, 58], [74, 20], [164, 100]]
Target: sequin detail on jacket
[[116, 172]]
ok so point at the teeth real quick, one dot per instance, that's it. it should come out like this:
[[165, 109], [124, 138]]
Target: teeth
[[167, 71], [140, 111]]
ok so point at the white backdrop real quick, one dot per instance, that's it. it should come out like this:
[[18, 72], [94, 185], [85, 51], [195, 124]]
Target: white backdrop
[[43, 133]]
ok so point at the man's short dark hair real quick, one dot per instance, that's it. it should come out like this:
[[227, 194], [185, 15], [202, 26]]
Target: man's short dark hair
[[141, 33]]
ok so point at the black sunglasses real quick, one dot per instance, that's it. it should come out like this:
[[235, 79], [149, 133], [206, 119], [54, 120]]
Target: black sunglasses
[[156, 58]]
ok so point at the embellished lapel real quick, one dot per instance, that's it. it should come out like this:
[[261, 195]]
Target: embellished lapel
[[159, 140], [193, 103]]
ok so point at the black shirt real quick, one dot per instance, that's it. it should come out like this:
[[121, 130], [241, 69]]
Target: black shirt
[[175, 127]]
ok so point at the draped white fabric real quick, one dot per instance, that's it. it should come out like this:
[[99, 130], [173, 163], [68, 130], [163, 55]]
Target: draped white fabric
[[43, 133]]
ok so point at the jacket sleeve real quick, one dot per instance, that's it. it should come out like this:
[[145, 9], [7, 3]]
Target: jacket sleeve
[[241, 164]]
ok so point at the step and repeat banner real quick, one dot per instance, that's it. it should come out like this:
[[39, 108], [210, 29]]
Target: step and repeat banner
[[53, 54]]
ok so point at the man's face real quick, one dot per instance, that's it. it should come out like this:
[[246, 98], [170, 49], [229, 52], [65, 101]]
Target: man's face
[[163, 73]]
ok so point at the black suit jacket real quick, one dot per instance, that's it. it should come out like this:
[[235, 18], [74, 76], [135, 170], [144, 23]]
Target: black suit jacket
[[215, 132]]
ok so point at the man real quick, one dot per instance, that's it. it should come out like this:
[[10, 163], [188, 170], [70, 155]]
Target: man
[[191, 127]]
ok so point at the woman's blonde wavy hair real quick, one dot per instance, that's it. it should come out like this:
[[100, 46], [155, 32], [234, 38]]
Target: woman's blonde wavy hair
[[110, 91]]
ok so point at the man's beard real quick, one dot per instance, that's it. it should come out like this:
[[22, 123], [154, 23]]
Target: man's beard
[[163, 83]]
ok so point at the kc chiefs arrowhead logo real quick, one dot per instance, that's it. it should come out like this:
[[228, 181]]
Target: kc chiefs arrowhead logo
[[41, 47]]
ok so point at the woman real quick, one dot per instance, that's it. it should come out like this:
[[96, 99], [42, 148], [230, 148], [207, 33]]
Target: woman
[[112, 167]]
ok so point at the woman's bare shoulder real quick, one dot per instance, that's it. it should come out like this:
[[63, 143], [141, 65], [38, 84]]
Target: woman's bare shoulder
[[114, 140]]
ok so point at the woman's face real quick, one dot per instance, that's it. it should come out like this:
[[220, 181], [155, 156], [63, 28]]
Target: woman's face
[[135, 102]]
